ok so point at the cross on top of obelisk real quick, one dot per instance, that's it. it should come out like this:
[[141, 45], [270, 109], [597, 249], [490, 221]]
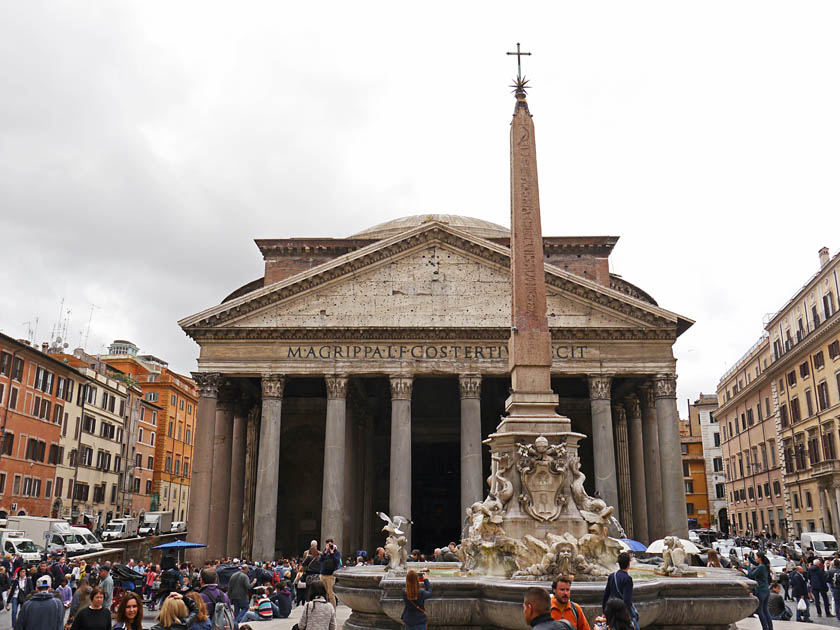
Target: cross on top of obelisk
[[520, 83]]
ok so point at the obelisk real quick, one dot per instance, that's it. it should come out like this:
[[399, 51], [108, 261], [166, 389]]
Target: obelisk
[[530, 339]]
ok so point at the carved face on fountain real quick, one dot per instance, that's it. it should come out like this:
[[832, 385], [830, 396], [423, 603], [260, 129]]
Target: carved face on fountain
[[541, 445]]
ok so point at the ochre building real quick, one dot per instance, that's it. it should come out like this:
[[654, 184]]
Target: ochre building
[[349, 351]]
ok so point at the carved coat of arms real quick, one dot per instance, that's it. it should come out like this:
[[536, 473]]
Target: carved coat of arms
[[542, 471]]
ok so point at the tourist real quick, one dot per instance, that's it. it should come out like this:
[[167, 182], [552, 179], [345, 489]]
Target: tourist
[[834, 583], [381, 559], [563, 608], [106, 582], [238, 588], [4, 583], [42, 611], [149, 583], [617, 616], [81, 600], [21, 588], [65, 592], [450, 554], [784, 582], [819, 586], [129, 612], [210, 592], [202, 620], [312, 564], [262, 609], [713, 559], [620, 585], [760, 572], [95, 616], [414, 601], [330, 563], [282, 599], [176, 613], [536, 608], [776, 604], [318, 614], [799, 588]]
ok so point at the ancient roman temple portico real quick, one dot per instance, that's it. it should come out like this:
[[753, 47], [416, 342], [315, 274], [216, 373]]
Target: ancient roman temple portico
[[362, 374]]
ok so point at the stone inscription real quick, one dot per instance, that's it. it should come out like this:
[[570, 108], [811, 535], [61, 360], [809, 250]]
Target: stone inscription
[[421, 352], [527, 224]]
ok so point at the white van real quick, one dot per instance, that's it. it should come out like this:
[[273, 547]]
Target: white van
[[822, 544], [90, 542], [15, 542]]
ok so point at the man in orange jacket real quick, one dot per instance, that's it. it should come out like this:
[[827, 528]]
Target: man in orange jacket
[[563, 608]]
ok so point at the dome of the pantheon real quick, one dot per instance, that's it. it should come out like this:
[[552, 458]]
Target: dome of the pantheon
[[477, 227]]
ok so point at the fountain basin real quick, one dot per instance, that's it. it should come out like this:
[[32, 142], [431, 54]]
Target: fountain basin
[[716, 599]]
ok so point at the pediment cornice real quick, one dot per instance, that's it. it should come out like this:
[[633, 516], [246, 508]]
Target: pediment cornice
[[379, 252]]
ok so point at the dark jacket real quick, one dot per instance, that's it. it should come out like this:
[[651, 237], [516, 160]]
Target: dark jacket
[[411, 614], [799, 584], [41, 612], [28, 589], [239, 586], [545, 622], [330, 562], [817, 578], [620, 586], [182, 624], [283, 600], [212, 594], [776, 605], [761, 574], [830, 577]]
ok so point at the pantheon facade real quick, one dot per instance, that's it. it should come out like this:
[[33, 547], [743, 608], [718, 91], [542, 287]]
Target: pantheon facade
[[364, 372]]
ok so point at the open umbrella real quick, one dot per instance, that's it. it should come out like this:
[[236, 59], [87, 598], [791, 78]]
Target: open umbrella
[[632, 545], [658, 546], [179, 544]]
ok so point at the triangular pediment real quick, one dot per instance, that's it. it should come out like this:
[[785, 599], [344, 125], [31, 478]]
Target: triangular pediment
[[432, 276]]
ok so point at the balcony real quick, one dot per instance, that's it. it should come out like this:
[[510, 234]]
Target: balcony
[[826, 467]]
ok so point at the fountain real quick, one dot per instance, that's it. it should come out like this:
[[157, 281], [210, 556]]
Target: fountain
[[537, 520]]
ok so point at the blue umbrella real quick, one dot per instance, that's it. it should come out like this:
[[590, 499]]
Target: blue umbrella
[[179, 544], [634, 545]]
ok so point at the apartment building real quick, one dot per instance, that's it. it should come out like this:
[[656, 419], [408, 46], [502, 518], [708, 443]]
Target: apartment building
[[176, 400], [36, 391], [694, 474], [702, 413], [804, 376], [750, 449], [140, 476]]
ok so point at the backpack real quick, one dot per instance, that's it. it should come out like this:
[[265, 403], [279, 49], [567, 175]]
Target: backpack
[[835, 580], [222, 618]]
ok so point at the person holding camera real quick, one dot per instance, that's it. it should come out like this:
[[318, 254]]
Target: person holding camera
[[330, 563], [414, 601]]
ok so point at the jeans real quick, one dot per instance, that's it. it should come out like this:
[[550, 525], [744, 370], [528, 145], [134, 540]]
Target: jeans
[[836, 593], [803, 615], [824, 595], [252, 616], [763, 610], [14, 610], [240, 607]]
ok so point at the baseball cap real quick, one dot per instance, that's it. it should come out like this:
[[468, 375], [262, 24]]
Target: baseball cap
[[43, 582]]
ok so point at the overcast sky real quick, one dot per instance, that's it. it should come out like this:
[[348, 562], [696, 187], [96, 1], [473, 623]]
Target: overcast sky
[[143, 145]]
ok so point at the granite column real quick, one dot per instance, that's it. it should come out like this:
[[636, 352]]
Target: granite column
[[653, 475], [400, 487], [268, 468], [202, 473], [471, 484], [637, 469], [606, 483], [220, 492], [622, 450], [237, 484], [670, 456], [332, 499]]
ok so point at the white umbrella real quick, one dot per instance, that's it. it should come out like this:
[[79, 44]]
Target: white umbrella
[[624, 546], [658, 546]]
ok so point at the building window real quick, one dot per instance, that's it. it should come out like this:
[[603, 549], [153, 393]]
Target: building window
[[767, 406], [189, 410], [684, 449], [181, 404], [795, 500], [151, 463], [804, 370], [751, 493], [720, 491], [686, 470], [689, 508], [189, 436], [169, 431], [822, 396], [809, 404], [758, 490], [717, 464], [795, 413], [819, 362], [834, 349], [689, 486], [783, 414], [791, 378], [148, 486], [173, 400], [808, 503], [151, 396]]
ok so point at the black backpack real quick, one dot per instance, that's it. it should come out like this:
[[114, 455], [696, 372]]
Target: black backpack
[[835, 580]]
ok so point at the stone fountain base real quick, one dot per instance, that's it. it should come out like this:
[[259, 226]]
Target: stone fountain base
[[714, 600]]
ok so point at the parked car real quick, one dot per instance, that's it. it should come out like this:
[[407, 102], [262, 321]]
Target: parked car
[[179, 527]]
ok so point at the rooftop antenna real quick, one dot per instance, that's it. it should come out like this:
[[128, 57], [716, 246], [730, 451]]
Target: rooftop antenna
[[56, 329], [90, 319]]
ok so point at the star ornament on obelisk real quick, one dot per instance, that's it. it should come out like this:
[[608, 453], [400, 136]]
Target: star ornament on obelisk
[[531, 398]]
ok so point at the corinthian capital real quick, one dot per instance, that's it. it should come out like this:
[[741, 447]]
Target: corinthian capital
[[470, 385], [619, 413], [599, 386], [631, 403], [336, 387], [665, 386], [208, 383], [401, 385], [646, 395], [273, 385]]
